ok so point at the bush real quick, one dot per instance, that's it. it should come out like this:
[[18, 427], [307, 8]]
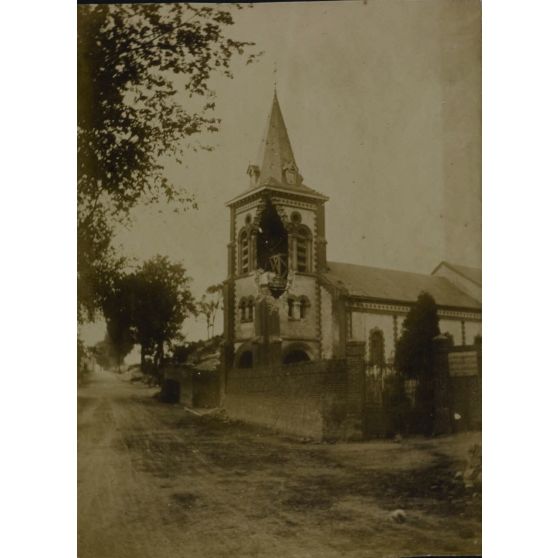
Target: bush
[[397, 405], [414, 357]]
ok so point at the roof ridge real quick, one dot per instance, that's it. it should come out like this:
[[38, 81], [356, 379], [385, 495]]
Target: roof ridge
[[456, 267], [395, 285], [382, 268]]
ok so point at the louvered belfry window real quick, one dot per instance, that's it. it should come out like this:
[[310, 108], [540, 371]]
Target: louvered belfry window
[[242, 307], [302, 250], [244, 253], [301, 255]]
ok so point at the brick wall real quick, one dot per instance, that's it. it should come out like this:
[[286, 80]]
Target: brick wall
[[458, 392], [307, 399]]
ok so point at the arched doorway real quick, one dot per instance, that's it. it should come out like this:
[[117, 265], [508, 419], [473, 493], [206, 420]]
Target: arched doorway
[[296, 355], [170, 391], [246, 360]]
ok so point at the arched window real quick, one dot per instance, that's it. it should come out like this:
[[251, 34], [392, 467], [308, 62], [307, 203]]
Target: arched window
[[300, 244], [243, 252], [246, 307], [243, 307], [297, 307], [250, 307], [376, 347], [304, 307], [290, 173], [291, 304], [252, 249]]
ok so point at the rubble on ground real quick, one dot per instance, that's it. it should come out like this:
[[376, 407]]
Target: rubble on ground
[[398, 516]]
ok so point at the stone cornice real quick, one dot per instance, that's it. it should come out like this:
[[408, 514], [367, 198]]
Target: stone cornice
[[387, 307], [288, 202], [256, 339], [284, 193], [377, 307], [252, 204], [460, 314]]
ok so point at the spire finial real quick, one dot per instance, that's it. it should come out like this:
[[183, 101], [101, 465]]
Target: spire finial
[[275, 76]]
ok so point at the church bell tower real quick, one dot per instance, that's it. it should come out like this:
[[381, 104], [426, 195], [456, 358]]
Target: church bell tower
[[276, 251]]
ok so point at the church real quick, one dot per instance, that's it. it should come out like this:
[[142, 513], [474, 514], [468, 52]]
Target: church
[[285, 302]]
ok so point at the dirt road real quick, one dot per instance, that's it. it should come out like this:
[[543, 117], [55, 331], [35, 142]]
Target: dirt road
[[157, 482]]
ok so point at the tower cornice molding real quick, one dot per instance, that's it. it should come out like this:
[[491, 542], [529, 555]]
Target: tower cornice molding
[[284, 193]]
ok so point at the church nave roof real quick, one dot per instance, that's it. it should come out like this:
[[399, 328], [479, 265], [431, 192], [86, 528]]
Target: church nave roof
[[400, 286]]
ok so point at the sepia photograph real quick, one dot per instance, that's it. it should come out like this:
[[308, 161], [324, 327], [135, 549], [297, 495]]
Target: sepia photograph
[[279, 279]]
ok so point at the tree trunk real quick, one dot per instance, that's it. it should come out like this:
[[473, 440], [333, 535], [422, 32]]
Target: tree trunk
[[159, 356]]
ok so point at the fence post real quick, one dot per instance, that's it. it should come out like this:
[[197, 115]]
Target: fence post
[[355, 389], [442, 419], [226, 363], [477, 396]]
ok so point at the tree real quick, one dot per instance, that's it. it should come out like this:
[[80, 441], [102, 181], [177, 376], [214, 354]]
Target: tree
[[209, 305], [103, 354], [83, 360], [118, 306], [414, 355], [162, 301], [131, 59], [97, 264]]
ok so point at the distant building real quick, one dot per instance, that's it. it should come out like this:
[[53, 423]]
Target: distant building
[[278, 246]]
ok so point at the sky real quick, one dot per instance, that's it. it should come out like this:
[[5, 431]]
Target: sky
[[382, 104]]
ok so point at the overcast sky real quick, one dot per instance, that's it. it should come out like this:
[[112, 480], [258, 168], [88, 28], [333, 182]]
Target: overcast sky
[[382, 104]]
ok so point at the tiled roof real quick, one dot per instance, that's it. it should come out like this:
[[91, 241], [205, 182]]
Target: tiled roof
[[276, 150], [474, 274], [401, 286]]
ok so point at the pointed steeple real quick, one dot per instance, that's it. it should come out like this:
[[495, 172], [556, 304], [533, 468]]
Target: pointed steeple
[[276, 158]]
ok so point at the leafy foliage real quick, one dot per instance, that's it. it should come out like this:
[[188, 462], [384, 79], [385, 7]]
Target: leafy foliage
[[209, 305], [196, 349], [414, 355], [147, 306], [162, 301], [83, 361], [131, 59], [97, 263], [397, 405], [104, 355], [414, 350], [118, 309]]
